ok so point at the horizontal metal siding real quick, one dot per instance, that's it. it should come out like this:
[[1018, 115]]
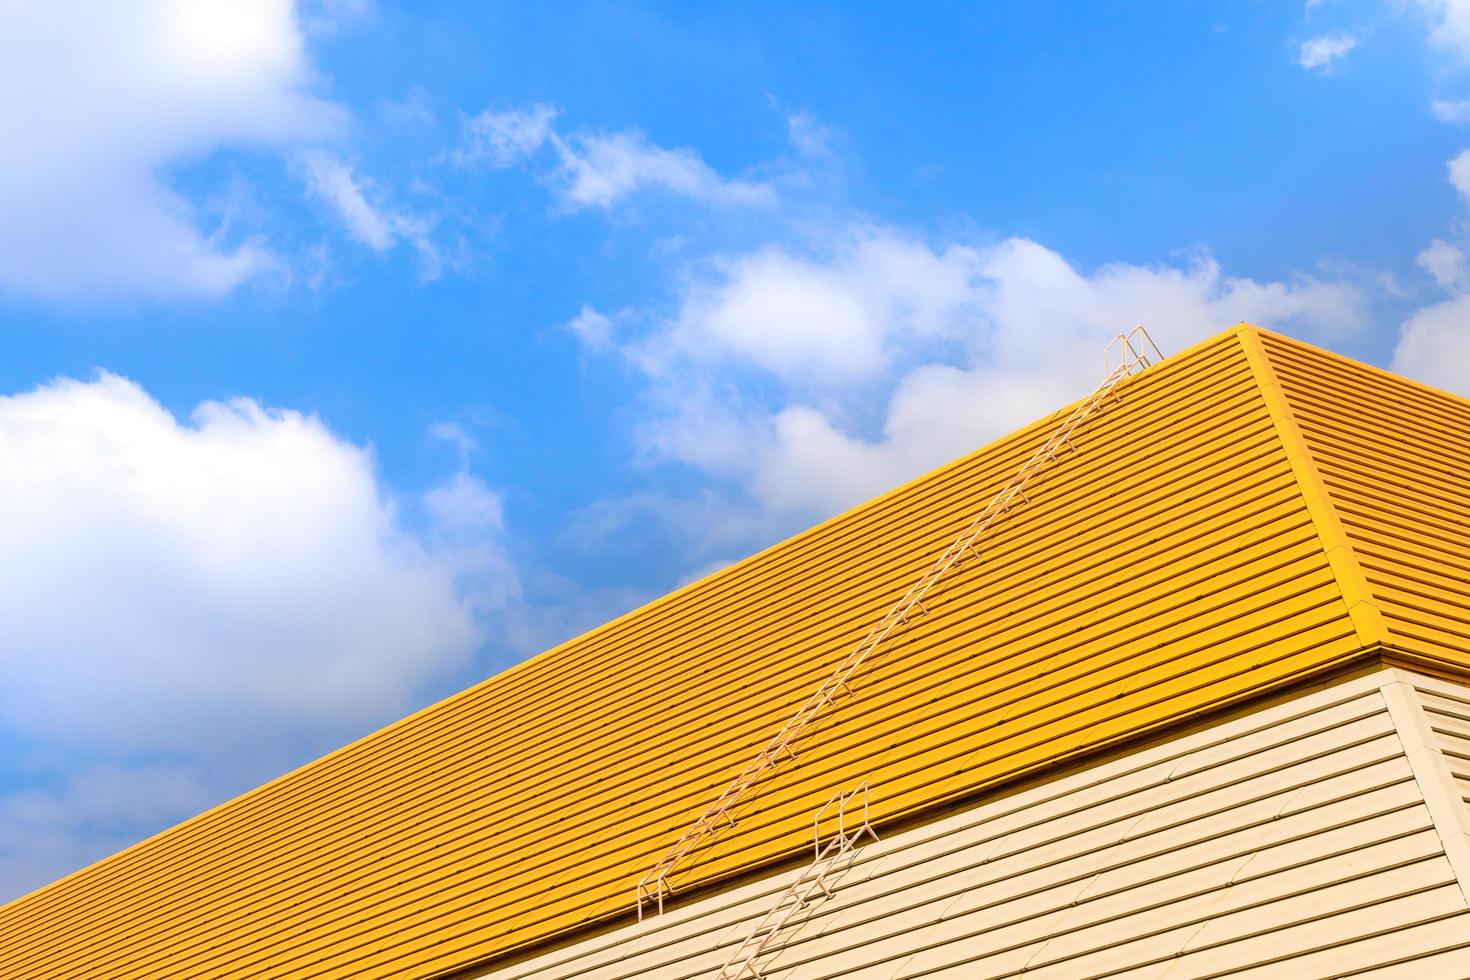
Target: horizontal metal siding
[[1167, 567], [1449, 717], [1396, 458], [1293, 841]]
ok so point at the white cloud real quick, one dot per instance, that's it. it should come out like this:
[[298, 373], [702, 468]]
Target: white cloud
[[1459, 172], [1320, 53], [593, 329], [325, 16], [100, 99], [1434, 343], [372, 224], [831, 317], [466, 520], [457, 436], [1434, 346], [1456, 111], [881, 356], [187, 607], [1451, 24], [808, 135], [205, 587], [506, 137], [599, 169], [1445, 263], [331, 180], [466, 503]]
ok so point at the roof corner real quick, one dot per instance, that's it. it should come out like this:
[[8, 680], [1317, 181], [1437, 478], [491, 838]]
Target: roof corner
[[1367, 619], [1244, 330]]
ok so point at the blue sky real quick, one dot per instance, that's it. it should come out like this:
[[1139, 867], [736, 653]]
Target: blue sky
[[358, 350]]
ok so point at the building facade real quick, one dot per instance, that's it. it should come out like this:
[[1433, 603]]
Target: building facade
[[1194, 706]]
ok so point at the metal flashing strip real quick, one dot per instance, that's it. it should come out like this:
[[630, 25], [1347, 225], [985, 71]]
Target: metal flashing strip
[[1366, 617]]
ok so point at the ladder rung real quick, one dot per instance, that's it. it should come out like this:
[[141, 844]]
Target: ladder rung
[[1132, 359]]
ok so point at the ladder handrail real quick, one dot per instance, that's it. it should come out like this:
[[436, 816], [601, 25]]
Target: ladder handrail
[[805, 888], [1132, 353]]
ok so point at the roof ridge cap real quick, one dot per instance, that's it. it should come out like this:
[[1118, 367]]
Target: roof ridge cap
[[1342, 558]]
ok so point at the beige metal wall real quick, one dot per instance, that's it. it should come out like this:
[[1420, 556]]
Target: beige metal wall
[[1447, 709], [1316, 837]]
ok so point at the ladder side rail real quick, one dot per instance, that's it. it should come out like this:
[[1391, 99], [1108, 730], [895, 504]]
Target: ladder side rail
[[1133, 357], [899, 614], [805, 888]]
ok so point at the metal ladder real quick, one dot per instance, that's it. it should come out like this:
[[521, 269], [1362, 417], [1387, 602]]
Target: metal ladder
[[810, 886], [1133, 353]]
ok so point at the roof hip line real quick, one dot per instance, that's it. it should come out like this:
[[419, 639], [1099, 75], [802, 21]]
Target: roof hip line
[[1362, 609]]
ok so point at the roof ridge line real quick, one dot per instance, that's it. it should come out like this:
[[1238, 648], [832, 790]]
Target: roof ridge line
[[1342, 558]]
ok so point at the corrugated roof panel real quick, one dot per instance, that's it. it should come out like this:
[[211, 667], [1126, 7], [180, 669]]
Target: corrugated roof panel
[[1396, 458], [1167, 567]]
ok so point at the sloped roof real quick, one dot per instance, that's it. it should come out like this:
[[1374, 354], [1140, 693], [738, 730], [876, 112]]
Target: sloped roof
[[1253, 511]]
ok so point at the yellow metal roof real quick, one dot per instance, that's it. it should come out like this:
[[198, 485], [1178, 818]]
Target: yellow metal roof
[[1253, 511]]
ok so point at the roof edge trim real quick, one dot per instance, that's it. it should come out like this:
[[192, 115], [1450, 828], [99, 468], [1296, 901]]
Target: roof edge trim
[[1425, 663], [1367, 619]]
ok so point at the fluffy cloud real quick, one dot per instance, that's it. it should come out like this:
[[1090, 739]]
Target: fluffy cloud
[[189, 607], [1451, 111], [331, 180], [466, 503], [1451, 24], [88, 210], [1434, 346], [1320, 53], [594, 329], [374, 225], [598, 169], [1445, 263], [809, 137], [816, 378], [1459, 174], [505, 137], [206, 585], [832, 317]]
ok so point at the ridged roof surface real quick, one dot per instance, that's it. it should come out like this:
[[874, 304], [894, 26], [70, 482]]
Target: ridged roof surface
[[1253, 510]]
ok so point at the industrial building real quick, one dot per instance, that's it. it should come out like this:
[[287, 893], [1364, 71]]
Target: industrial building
[[1184, 696]]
